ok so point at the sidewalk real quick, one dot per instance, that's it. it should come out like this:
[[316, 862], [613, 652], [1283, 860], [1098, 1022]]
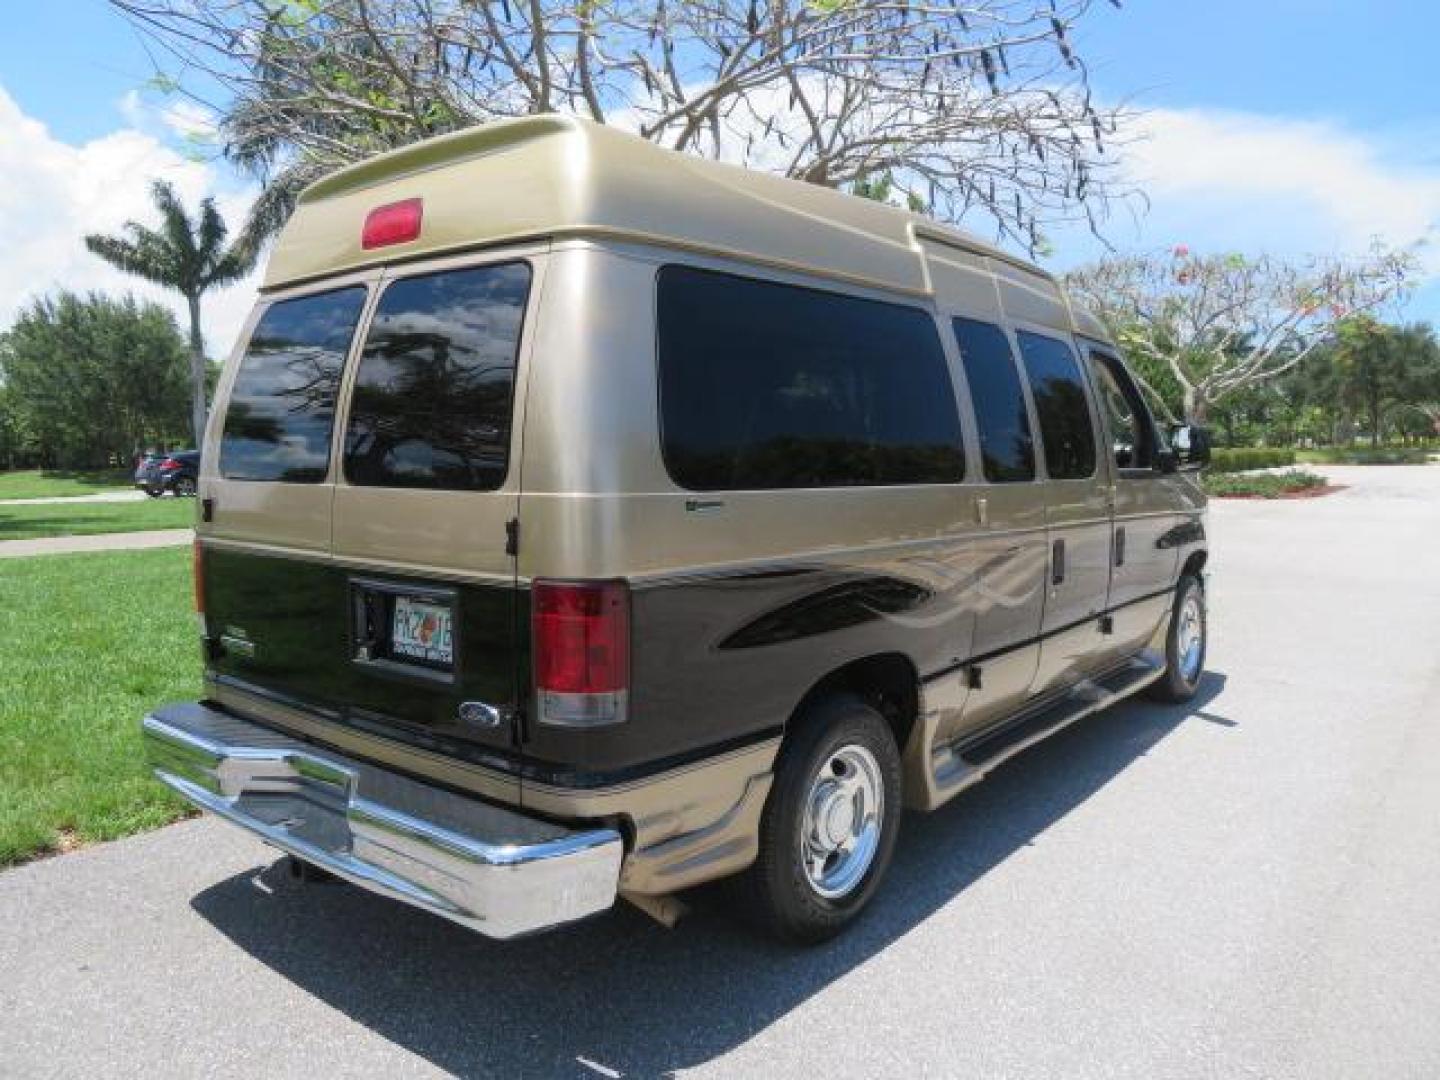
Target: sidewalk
[[99, 497], [123, 541]]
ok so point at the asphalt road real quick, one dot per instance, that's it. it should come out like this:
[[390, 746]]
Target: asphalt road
[[1246, 887]]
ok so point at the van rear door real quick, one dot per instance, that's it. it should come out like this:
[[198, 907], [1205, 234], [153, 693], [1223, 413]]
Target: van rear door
[[356, 566], [273, 621], [426, 507]]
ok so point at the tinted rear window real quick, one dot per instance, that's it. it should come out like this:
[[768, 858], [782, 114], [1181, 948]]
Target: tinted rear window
[[774, 386], [1007, 448], [282, 405], [1059, 392], [432, 400]]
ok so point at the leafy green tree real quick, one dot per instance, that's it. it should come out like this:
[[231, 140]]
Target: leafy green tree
[[1380, 368], [12, 438], [1312, 389], [87, 380], [881, 188], [191, 257]]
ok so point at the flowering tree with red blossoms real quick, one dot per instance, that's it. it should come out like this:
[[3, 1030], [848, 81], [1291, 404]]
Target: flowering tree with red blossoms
[[1221, 323]]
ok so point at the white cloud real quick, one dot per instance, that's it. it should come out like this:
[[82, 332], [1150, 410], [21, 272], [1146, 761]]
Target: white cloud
[[1248, 182], [189, 120], [1217, 181], [55, 192]]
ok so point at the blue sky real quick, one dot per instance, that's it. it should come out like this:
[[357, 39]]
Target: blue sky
[[1294, 126]]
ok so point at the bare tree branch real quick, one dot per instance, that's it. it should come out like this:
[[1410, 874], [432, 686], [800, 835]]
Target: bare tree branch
[[981, 105]]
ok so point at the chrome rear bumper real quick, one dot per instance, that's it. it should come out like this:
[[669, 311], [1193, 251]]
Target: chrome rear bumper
[[486, 867]]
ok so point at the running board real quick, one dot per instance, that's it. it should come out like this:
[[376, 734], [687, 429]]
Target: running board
[[961, 764]]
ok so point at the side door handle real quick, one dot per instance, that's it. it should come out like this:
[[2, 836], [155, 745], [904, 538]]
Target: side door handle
[[1057, 562], [1120, 546]]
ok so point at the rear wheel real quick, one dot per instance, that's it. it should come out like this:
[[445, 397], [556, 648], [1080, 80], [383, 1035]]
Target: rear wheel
[[185, 487], [830, 822], [1185, 644]]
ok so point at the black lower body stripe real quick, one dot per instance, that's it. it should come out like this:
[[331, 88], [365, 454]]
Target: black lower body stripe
[[981, 658]]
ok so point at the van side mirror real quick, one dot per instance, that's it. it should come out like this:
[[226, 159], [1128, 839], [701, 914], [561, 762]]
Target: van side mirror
[[1190, 444]]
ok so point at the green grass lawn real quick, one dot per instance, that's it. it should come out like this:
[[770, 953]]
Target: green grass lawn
[[89, 643], [35, 484], [83, 519]]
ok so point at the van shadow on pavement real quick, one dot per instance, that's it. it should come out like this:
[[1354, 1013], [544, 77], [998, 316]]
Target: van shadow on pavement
[[621, 991]]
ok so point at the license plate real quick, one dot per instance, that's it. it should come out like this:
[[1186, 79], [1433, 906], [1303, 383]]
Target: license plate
[[421, 631]]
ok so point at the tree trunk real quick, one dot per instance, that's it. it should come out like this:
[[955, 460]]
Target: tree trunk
[[1196, 406], [197, 373]]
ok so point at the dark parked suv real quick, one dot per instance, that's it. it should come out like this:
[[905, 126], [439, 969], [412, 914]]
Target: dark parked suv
[[176, 473]]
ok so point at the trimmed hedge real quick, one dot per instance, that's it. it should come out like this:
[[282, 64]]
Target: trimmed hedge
[[1242, 459], [1385, 455]]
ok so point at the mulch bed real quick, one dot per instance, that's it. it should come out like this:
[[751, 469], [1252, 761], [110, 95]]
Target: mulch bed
[[1300, 493]]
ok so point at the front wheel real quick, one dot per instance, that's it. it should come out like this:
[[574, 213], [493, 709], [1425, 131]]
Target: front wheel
[[1185, 644], [830, 822], [185, 488]]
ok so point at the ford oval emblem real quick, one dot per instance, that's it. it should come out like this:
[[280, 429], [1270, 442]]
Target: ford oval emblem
[[478, 714]]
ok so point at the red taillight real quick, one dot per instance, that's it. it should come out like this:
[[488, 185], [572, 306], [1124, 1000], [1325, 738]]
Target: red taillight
[[394, 223], [169, 465], [581, 637]]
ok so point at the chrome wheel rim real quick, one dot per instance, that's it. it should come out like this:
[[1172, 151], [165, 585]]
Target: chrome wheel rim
[[1190, 639], [841, 829]]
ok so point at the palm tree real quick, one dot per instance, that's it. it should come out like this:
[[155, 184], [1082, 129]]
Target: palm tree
[[188, 256]]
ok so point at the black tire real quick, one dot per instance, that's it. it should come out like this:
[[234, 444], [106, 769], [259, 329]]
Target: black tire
[[777, 891], [153, 493], [1181, 679], [185, 488]]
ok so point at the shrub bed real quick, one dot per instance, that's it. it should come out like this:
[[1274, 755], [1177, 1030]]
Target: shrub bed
[[1263, 485]]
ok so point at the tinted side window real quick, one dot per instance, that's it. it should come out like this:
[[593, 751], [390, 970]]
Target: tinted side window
[[432, 401], [773, 386], [282, 405], [1006, 445], [1059, 392], [1130, 425]]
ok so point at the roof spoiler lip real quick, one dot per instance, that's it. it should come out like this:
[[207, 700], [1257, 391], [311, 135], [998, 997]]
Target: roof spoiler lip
[[439, 152]]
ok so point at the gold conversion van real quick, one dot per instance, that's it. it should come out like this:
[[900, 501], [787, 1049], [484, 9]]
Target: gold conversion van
[[580, 519]]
